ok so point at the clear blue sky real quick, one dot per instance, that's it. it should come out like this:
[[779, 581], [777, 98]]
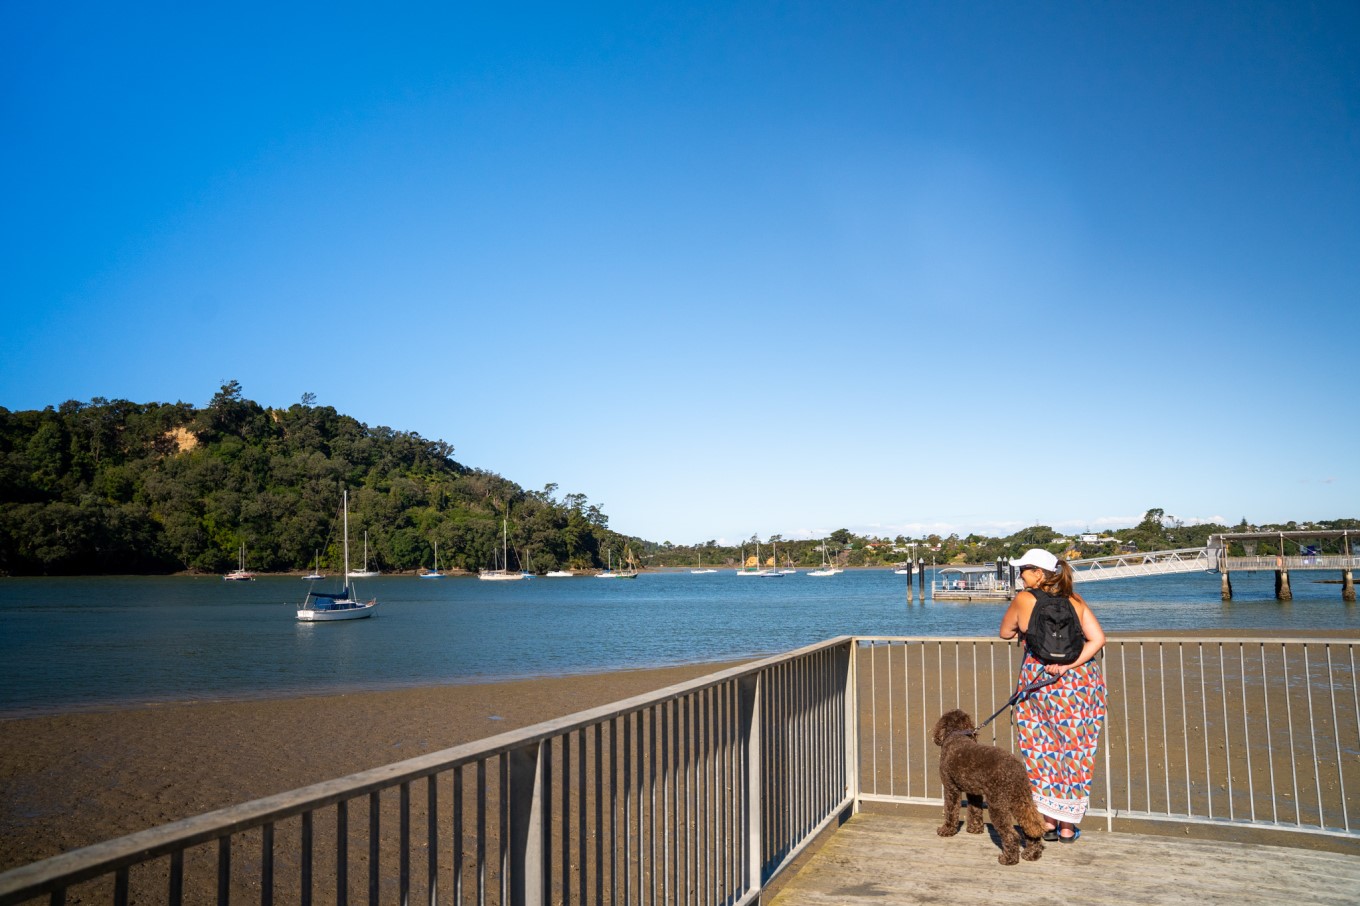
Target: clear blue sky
[[731, 269]]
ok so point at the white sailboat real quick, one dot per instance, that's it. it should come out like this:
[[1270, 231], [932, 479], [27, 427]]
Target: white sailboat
[[316, 569], [701, 571], [827, 569], [240, 573], [773, 572], [324, 607], [365, 572], [503, 574], [609, 566], [433, 573], [752, 570]]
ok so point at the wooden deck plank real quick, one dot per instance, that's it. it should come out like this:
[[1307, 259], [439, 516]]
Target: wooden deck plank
[[885, 859]]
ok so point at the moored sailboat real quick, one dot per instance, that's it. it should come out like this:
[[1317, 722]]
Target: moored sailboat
[[701, 571], [433, 573], [365, 572], [827, 569], [240, 573], [503, 574], [324, 607]]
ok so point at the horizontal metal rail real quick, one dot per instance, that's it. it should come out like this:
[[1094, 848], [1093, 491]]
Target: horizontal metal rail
[[1272, 562], [695, 794], [1248, 732]]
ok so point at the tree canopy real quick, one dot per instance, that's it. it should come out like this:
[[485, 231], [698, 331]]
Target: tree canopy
[[112, 486]]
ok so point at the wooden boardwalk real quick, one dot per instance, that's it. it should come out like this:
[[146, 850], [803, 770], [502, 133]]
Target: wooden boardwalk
[[886, 860]]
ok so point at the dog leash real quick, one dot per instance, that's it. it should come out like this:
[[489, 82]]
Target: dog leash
[[1046, 679]]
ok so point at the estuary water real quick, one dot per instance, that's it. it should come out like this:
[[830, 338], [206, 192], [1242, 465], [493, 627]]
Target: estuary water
[[98, 642]]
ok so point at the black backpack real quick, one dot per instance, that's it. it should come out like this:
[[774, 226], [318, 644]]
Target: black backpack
[[1054, 635]]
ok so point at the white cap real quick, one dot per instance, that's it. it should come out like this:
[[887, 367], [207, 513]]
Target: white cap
[[1037, 556]]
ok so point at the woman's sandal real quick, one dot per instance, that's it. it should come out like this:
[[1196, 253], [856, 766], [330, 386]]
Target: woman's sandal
[[1063, 838], [1051, 835]]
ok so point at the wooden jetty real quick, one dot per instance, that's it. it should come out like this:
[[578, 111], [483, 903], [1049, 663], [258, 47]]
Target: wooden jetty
[[886, 860]]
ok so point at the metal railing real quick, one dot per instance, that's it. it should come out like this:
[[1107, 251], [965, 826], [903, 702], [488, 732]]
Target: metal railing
[[695, 794], [1272, 562], [1243, 732], [702, 792]]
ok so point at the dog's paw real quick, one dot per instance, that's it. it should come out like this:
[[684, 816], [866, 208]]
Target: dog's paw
[[1008, 858], [1033, 852], [947, 830], [976, 828]]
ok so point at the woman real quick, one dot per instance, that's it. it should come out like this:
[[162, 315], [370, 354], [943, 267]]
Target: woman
[[1058, 724]]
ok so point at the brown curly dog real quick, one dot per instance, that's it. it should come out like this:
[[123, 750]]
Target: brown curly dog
[[986, 773]]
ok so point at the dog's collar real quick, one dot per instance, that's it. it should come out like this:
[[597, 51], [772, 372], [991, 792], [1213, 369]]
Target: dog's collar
[[953, 733]]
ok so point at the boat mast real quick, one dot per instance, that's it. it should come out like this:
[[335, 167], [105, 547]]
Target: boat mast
[[345, 498]]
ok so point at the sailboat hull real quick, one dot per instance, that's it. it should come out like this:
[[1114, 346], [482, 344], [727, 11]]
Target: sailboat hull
[[355, 611]]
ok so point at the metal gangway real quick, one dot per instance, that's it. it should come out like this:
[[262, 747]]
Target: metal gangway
[[1151, 563]]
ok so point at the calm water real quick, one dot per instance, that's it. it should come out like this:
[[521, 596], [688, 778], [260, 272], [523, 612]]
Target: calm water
[[73, 643]]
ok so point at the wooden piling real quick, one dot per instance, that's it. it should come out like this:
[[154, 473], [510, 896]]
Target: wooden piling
[[1347, 586], [1227, 585], [1282, 592]]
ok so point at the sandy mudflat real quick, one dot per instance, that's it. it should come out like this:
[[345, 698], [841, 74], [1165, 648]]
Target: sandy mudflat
[[71, 780]]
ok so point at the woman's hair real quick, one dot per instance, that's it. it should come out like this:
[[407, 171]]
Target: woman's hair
[[1060, 582]]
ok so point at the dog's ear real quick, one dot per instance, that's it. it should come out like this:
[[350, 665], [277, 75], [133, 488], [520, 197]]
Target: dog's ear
[[948, 723]]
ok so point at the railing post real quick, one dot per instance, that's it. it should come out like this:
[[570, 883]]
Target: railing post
[[749, 692], [850, 695], [526, 826]]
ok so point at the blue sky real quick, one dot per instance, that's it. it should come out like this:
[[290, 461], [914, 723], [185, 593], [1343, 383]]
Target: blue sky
[[730, 269]]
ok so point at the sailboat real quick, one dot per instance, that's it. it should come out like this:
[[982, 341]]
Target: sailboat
[[321, 607], [240, 574], [827, 569], [609, 566], [773, 572], [316, 569], [631, 571], [752, 570], [433, 573], [701, 571], [365, 572], [503, 574]]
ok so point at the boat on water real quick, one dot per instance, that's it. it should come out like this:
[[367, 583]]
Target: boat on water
[[365, 572], [971, 583], [433, 573], [630, 572], [316, 569], [701, 571], [774, 572], [751, 567], [503, 574], [559, 574], [240, 573], [827, 569], [326, 607]]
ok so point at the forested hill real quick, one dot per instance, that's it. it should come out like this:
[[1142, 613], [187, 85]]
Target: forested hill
[[112, 486]]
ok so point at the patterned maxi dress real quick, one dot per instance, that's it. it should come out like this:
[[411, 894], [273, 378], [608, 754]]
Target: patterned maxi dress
[[1058, 727]]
